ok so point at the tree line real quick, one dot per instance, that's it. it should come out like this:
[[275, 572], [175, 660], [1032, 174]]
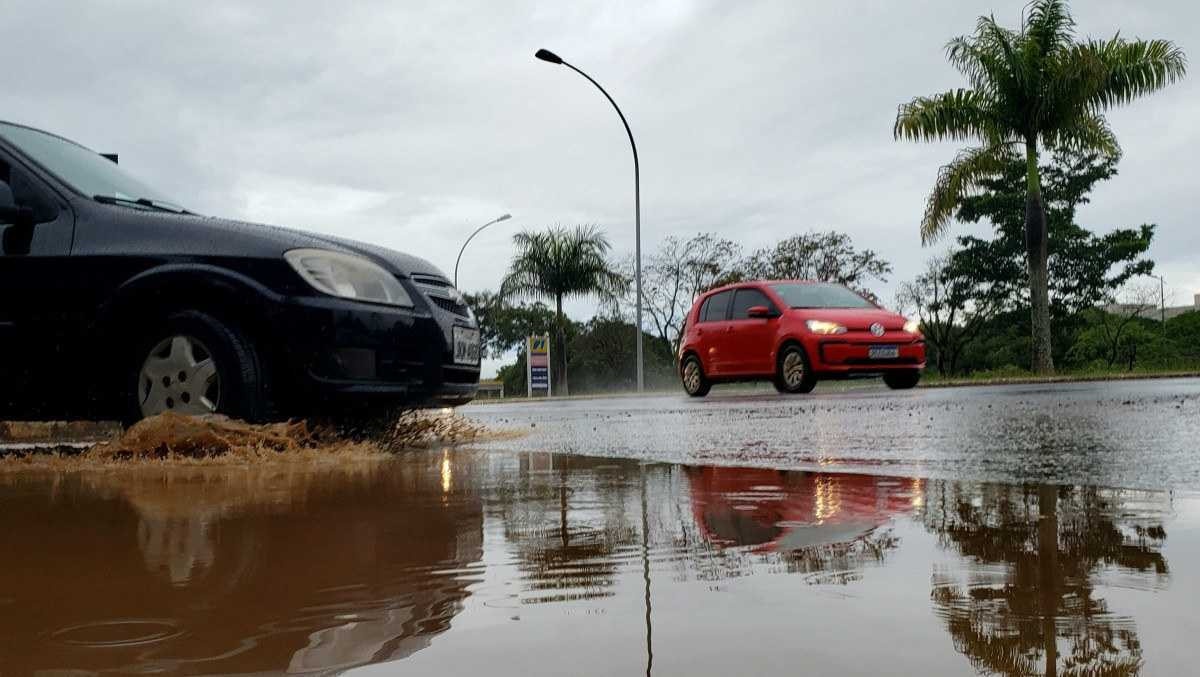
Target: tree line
[[560, 263]]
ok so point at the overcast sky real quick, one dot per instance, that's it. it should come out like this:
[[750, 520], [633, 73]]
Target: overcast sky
[[408, 124]]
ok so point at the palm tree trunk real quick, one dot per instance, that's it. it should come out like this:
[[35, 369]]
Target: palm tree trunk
[[561, 350], [1039, 269]]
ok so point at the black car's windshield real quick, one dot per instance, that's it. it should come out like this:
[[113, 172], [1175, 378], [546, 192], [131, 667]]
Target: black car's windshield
[[87, 172], [819, 295]]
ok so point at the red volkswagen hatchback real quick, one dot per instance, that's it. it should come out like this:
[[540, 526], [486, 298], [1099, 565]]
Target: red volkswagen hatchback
[[795, 333]]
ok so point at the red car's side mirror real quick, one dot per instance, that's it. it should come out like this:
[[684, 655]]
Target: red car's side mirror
[[759, 311]]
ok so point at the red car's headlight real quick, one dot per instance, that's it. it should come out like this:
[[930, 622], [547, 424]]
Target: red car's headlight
[[823, 327]]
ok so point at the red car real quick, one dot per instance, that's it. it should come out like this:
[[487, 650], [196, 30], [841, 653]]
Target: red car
[[795, 333]]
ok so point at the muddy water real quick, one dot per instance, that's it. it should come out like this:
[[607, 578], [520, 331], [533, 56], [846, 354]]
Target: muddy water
[[495, 563]]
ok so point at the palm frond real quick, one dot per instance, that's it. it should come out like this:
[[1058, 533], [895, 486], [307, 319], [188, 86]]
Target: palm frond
[[1087, 132], [1134, 69], [957, 180], [1049, 25], [1072, 78], [956, 114], [562, 262]]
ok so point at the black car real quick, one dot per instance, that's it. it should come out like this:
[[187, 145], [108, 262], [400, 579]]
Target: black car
[[116, 303]]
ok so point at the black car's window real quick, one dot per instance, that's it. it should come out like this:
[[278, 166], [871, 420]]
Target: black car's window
[[17, 190], [85, 171], [6, 196], [715, 307], [819, 295], [744, 300]]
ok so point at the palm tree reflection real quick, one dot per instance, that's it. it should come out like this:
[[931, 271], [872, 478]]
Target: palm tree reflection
[[1028, 604]]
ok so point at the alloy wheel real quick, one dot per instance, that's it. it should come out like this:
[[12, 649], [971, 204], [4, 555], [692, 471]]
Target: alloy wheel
[[793, 369], [179, 375], [692, 376]]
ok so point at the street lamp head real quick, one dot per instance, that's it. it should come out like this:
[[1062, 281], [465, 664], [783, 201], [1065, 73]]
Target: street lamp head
[[547, 55], [504, 218]]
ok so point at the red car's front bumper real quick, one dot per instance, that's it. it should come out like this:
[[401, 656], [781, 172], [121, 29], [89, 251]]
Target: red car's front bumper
[[852, 355]]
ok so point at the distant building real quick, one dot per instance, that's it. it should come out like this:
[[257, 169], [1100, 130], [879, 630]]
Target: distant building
[[1152, 312]]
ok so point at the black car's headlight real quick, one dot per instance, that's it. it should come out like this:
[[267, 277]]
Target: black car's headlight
[[348, 276]]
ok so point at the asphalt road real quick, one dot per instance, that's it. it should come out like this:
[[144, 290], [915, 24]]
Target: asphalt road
[[1143, 433]]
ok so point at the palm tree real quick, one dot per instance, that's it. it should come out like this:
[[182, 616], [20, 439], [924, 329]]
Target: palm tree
[[1036, 87], [560, 263]]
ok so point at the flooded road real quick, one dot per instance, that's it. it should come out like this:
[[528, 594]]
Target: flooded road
[[498, 562], [1142, 433]]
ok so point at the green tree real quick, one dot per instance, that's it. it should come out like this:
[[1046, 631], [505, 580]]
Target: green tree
[[1032, 88], [603, 358], [504, 326], [1085, 269], [1184, 333], [560, 263]]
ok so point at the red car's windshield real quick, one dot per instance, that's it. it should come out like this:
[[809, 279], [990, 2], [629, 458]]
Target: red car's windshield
[[819, 295]]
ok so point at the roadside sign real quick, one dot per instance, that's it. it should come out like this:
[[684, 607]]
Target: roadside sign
[[537, 364]]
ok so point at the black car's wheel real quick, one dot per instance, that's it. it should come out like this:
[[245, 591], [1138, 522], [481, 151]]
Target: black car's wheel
[[902, 380], [793, 373], [694, 381], [195, 364]]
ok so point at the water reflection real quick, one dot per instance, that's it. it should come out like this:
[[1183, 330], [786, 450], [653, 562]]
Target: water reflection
[[1027, 603], [433, 558], [824, 525], [222, 571]]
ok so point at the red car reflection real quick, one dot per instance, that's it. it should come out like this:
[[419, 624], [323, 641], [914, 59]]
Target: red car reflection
[[775, 510], [795, 333]]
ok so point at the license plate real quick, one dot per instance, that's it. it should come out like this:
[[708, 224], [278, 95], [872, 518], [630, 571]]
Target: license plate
[[466, 345], [883, 352]]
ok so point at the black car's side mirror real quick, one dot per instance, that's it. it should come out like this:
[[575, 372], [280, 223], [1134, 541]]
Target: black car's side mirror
[[12, 214], [16, 216]]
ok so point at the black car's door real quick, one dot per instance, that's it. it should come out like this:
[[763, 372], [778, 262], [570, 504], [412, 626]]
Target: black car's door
[[35, 250]]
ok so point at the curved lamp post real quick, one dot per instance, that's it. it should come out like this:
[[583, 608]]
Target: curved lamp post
[[551, 57], [464, 247]]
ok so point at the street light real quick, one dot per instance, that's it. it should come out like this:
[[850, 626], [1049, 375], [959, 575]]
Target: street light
[[551, 57], [460, 251]]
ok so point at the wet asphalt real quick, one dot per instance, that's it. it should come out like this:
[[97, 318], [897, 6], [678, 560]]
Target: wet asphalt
[[1134, 433], [1011, 530]]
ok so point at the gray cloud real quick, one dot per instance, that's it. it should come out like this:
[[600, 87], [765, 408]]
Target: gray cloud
[[410, 123]]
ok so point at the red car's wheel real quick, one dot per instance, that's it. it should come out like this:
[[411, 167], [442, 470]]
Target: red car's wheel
[[793, 373], [902, 380], [694, 381]]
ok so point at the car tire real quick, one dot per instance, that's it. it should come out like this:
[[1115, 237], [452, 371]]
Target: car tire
[[196, 364], [793, 371], [695, 383], [902, 380]]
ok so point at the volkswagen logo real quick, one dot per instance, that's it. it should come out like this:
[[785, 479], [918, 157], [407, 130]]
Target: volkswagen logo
[[877, 329]]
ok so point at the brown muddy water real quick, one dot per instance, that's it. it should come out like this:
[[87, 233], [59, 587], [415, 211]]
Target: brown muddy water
[[466, 562]]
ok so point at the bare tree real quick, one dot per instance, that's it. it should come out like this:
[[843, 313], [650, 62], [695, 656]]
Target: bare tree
[[825, 256], [951, 309], [676, 274]]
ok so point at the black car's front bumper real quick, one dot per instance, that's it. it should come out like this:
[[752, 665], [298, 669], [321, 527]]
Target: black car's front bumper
[[339, 353]]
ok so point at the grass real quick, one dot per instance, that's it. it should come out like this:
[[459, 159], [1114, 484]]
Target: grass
[[931, 379], [1013, 375]]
